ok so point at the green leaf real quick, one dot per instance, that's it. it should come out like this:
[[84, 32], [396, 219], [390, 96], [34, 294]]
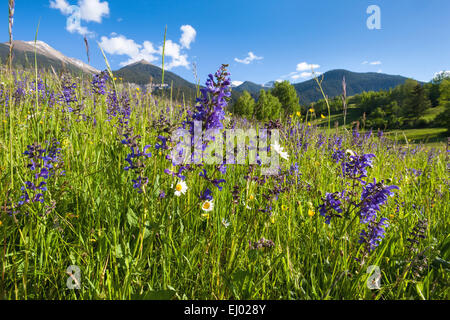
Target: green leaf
[[132, 218], [419, 288], [118, 251]]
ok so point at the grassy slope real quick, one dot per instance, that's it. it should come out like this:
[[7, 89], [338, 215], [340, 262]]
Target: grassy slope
[[425, 135]]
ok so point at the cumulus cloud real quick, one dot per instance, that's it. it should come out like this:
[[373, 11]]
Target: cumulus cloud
[[173, 50], [120, 45], [93, 10], [86, 10], [303, 70], [251, 57], [187, 36], [304, 66]]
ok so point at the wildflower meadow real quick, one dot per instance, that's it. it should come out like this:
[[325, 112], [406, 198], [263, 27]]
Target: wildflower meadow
[[93, 205]]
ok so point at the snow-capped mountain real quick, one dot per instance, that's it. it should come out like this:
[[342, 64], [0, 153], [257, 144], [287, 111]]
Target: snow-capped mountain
[[24, 52]]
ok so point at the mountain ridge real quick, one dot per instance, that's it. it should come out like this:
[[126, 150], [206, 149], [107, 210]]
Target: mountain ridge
[[356, 82], [143, 73]]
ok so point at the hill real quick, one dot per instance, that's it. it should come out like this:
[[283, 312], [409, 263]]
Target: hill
[[309, 91], [144, 73]]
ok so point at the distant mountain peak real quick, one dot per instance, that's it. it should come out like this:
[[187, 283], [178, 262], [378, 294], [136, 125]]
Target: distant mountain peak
[[236, 83], [142, 61], [46, 50]]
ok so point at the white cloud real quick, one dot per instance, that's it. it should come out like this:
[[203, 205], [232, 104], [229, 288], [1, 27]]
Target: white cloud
[[373, 63], [173, 50], [380, 71], [87, 10], [74, 24], [303, 66], [251, 57], [304, 70], [61, 5], [187, 36], [120, 45], [93, 10]]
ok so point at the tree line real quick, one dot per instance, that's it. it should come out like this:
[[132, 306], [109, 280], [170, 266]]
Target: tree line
[[276, 103]]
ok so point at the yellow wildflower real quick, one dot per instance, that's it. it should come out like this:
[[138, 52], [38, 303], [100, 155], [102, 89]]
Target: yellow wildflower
[[311, 213], [205, 215]]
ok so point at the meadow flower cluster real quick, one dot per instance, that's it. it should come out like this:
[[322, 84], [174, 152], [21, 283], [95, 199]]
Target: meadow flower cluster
[[373, 195], [43, 165]]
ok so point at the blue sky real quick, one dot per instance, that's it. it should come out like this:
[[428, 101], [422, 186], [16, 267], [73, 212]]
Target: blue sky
[[285, 37]]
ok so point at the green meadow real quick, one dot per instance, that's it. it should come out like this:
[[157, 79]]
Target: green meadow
[[130, 235]]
